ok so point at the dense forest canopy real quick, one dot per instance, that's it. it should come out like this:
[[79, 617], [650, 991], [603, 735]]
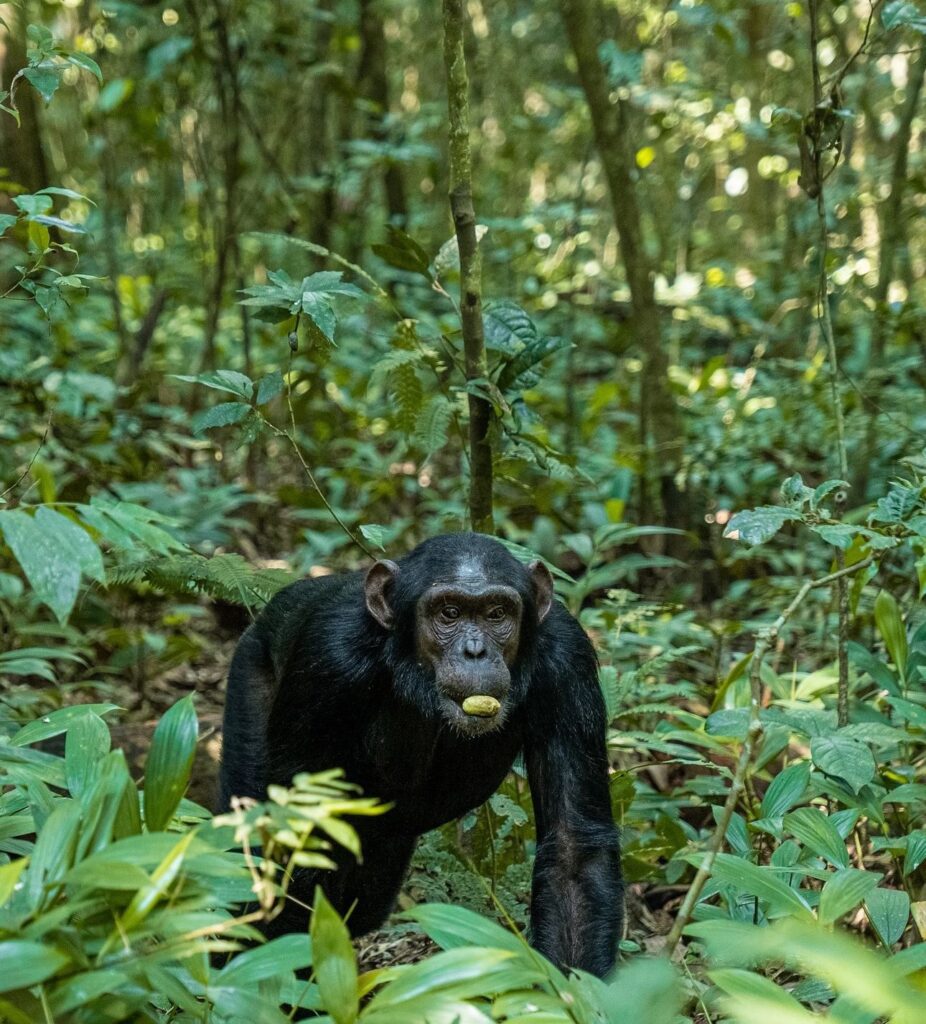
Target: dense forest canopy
[[636, 287]]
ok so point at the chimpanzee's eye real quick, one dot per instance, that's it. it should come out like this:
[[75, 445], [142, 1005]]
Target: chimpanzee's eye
[[450, 612], [496, 614]]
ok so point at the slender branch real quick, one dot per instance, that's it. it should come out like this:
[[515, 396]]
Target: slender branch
[[826, 324], [859, 50], [464, 219], [764, 640], [290, 436], [22, 476]]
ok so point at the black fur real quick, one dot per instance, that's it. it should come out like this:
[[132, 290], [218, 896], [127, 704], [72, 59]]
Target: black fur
[[316, 682]]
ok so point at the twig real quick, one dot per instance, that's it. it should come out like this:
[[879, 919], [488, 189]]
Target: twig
[[764, 640], [22, 476], [291, 437], [836, 80]]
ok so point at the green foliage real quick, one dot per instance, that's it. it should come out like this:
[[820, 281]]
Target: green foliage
[[311, 298], [183, 179], [228, 577]]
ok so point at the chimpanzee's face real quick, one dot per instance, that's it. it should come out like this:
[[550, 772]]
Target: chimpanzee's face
[[467, 630]]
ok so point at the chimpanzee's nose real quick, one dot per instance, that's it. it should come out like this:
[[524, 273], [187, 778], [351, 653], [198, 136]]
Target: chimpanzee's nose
[[474, 647]]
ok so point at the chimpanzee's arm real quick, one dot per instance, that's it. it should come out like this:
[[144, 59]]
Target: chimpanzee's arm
[[248, 701], [577, 903]]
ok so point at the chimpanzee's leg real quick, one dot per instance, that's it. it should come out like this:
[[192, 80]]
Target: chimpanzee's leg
[[363, 893]]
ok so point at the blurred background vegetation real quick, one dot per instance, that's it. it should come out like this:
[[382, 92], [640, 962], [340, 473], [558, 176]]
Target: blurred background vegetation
[[702, 239]]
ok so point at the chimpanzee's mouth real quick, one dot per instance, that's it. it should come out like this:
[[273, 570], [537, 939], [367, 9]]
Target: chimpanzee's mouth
[[469, 724]]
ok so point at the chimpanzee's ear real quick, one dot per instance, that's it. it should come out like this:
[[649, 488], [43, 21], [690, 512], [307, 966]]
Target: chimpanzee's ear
[[376, 589], [542, 582]]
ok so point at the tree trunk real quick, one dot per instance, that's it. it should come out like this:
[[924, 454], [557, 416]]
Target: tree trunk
[[891, 245], [660, 433], [373, 86], [464, 219]]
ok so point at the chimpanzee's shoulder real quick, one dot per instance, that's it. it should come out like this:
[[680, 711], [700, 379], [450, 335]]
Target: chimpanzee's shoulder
[[311, 605], [562, 625]]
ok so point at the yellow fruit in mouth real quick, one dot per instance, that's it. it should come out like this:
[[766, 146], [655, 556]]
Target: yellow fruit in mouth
[[481, 706]]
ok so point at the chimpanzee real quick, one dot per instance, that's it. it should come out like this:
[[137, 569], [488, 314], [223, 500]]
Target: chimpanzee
[[423, 680]]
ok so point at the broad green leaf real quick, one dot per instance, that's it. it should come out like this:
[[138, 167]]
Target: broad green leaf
[[903, 14], [908, 793], [9, 876], [865, 661], [66, 193], [404, 253], [840, 535], [844, 758], [891, 627], [124, 523], [57, 722], [110, 874], [242, 1004], [33, 203], [53, 853], [269, 387], [74, 539], [285, 953], [814, 829], [221, 415], [222, 380], [645, 989], [760, 524], [63, 225], [335, 962], [916, 851], [375, 534], [318, 308], [82, 989], [888, 910], [24, 964], [844, 891], [86, 745], [49, 565], [147, 898], [758, 881], [795, 492], [508, 328], [786, 789], [461, 974], [521, 371], [81, 60], [45, 77], [747, 984], [850, 968], [824, 490], [167, 771], [452, 927]]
